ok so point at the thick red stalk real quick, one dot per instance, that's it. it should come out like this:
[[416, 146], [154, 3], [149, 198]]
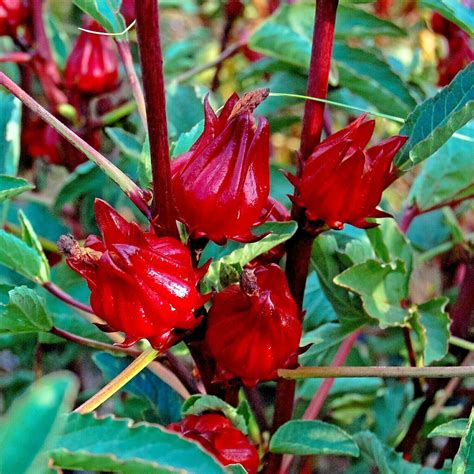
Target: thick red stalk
[[151, 58], [318, 75], [299, 247]]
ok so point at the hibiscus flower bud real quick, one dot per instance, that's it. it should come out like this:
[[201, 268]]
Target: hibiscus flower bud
[[216, 434], [342, 182], [254, 328], [92, 66], [141, 284], [13, 13], [221, 185], [234, 8]]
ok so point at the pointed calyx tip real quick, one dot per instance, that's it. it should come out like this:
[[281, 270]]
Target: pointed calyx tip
[[250, 101]]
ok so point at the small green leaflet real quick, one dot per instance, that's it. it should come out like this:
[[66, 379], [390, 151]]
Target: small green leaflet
[[11, 186]]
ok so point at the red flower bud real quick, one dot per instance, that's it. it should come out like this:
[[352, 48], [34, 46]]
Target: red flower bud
[[460, 54], [234, 8], [216, 434], [221, 185], [12, 14], [127, 9], [92, 66], [39, 140], [254, 328], [342, 182], [140, 284]]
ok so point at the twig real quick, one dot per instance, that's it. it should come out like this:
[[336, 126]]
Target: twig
[[388, 372], [17, 57], [418, 390], [149, 42]]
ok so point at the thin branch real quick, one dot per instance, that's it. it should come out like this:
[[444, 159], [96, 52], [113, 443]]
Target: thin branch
[[123, 47], [151, 58], [17, 57], [388, 372], [136, 195], [418, 390], [68, 299]]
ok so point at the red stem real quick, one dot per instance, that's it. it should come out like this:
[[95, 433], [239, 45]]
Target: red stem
[[151, 58], [462, 312], [319, 68], [407, 217], [66, 298]]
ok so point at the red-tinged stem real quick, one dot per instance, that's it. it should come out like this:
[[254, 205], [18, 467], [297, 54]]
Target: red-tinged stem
[[314, 407], [135, 194], [407, 218], [300, 245], [17, 57], [148, 30], [66, 298], [127, 60], [462, 312], [319, 69]]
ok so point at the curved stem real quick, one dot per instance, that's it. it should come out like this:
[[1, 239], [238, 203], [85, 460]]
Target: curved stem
[[462, 343], [151, 58], [388, 372], [127, 59], [63, 296], [118, 382], [136, 195]]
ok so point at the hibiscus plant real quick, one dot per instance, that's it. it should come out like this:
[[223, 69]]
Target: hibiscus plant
[[236, 236]]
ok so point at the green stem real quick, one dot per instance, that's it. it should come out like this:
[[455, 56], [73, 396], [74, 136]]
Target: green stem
[[462, 343], [117, 114], [337, 104], [136, 195], [118, 382], [397, 372]]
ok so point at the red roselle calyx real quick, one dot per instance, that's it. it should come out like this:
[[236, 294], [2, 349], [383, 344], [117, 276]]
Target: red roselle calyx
[[460, 52], [254, 328], [92, 66], [13, 14], [342, 182], [216, 434], [140, 284], [127, 9], [221, 185]]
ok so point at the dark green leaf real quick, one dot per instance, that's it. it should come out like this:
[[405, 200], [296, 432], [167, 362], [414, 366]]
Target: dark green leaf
[[125, 141], [446, 175], [199, 404], [187, 139], [451, 429], [110, 444], [18, 256], [11, 186], [312, 438], [454, 11], [27, 429], [105, 12], [382, 286], [436, 119], [25, 312], [463, 462], [165, 402], [431, 323], [10, 117]]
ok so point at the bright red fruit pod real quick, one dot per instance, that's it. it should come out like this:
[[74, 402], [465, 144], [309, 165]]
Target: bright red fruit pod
[[216, 434], [342, 182], [13, 13], [221, 185], [254, 327], [92, 66], [141, 284]]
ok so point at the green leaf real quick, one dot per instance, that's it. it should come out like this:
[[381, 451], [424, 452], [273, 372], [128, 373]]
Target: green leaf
[[454, 11], [27, 429], [287, 36], [359, 385], [11, 186], [10, 118], [165, 402], [25, 312], [199, 404], [105, 12], [446, 175], [109, 444], [451, 429], [144, 166], [384, 458], [31, 239], [463, 462], [187, 139], [382, 286], [18, 256], [312, 438], [279, 232], [436, 119], [125, 141], [431, 323]]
